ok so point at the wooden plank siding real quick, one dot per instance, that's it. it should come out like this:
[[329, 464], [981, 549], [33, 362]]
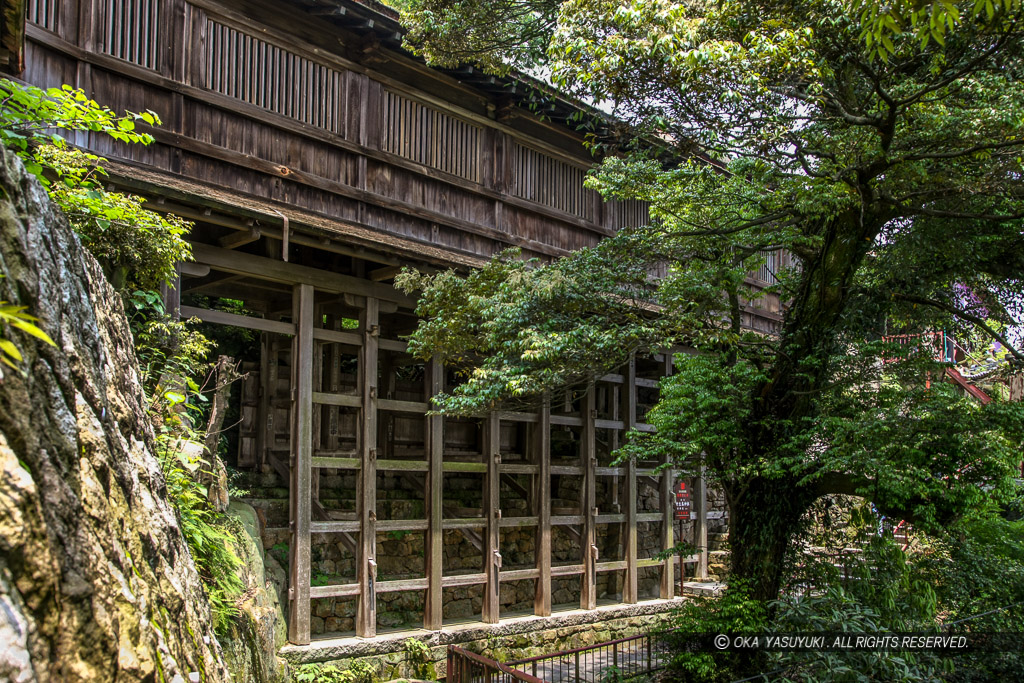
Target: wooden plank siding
[[250, 108]]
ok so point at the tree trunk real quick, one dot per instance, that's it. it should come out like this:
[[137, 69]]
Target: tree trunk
[[764, 518], [213, 474]]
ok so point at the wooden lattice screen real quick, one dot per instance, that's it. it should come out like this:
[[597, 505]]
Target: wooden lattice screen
[[43, 13], [130, 30], [543, 179], [430, 137], [255, 71]]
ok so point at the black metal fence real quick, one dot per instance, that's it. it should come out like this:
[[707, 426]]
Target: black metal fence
[[630, 657], [468, 667]]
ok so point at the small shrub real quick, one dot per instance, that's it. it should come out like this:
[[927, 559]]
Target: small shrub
[[418, 655], [356, 672]]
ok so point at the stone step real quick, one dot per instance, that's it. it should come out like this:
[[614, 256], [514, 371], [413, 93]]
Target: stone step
[[713, 588]]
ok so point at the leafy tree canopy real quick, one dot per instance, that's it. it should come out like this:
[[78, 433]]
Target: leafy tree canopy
[[879, 144]]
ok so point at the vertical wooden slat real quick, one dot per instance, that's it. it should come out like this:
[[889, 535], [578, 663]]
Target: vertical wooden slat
[[366, 612], [434, 438], [588, 539], [667, 586], [492, 508], [301, 465], [700, 530], [263, 409], [542, 453], [629, 588]]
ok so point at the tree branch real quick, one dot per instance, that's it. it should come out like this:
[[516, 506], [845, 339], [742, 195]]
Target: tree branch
[[964, 315]]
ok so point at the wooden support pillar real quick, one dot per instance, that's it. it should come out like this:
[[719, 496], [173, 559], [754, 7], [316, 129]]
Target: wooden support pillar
[[434, 442], [542, 496], [666, 502], [366, 570], [629, 587], [263, 402], [300, 493], [700, 529], [588, 538], [492, 510], [170, 292]]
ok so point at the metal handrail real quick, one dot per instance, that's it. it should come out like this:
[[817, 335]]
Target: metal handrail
[[458, 672]]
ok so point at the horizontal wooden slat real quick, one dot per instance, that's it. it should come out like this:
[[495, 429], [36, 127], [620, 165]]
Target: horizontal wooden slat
[[569, 470], [644, 427], [337, 463], [611, 378], [465, 467], [393, 345], [650, 516], [463, 580], [519, 574], [290, 273], [510, 416], [513, 522], [649, 383], [235, 320], [402, 465], [350, 338], [468, 523], [402, 406], [610, 471], [567, 570], [561, 520], [609, 424], [400, 584], [610, 566], [516, 468], [567, 420], [341, 590], [401, 525], [610, 519], [333, 527], [649, 562], [347, 400]]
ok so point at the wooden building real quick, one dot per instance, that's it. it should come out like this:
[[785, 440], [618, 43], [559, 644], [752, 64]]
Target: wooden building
[[317, 158]]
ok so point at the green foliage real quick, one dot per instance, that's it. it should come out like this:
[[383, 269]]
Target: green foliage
[[19, 319], [836, 610], [137, 248], [29, 115], [978, 571], [356, 672], [207, 533], [891, 175], [735, 612], [417, 653]]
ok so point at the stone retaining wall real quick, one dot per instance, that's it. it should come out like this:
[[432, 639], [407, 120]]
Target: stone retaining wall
[[511, 639]]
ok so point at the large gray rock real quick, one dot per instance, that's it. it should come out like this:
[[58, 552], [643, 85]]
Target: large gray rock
[[259, 631], [96, 583]]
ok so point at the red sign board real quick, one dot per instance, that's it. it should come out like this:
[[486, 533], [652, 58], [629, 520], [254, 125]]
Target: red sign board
[[682, 501]]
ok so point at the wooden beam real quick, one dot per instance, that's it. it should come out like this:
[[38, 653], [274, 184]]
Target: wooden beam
[[434, 606], [666, 501], [292, 273], [239, 239], [542, 458], [588, 541], [300, 494], [386, 273], [366, 611], [629, 587], [700, 525], [235, 320], [492, 511]]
